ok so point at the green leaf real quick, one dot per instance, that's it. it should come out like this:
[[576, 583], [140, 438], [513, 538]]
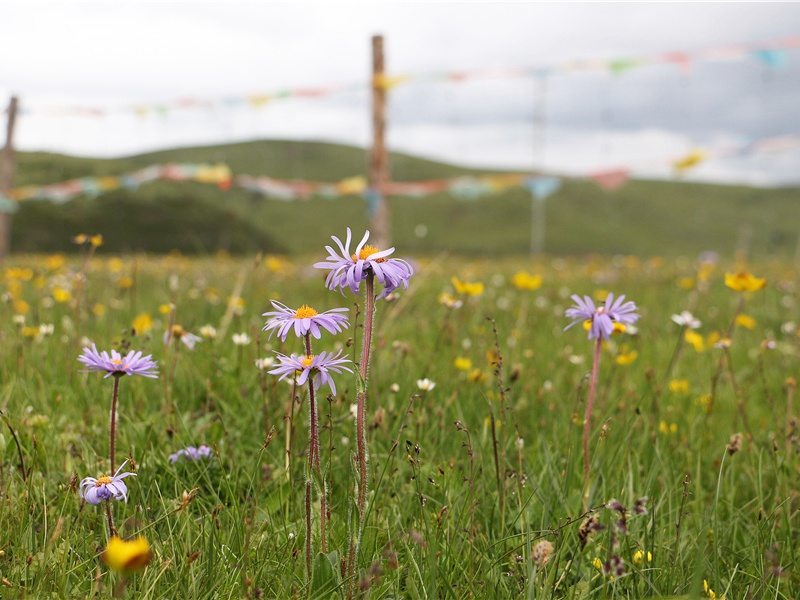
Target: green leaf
[[324, 581]]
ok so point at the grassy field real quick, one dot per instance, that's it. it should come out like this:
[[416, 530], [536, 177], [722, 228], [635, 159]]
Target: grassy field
[[643, 218], [468, 477]]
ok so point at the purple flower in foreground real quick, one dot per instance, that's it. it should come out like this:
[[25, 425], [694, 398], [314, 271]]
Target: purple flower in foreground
[[304, 320], [601, 319], [191, 453], [349, 270], [132, 363], [94, 491], [319, 366]]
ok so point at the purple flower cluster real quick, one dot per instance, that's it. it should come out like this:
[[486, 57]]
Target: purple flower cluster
[[601, 317], [304, 320], [94, 491], [191, 453], [320, 366], [132, 363], [348, 270]]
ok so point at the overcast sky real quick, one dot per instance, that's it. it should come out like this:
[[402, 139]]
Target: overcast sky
[[115, 55]]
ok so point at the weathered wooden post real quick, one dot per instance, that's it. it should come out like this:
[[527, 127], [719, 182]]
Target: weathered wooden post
[[7, 178]]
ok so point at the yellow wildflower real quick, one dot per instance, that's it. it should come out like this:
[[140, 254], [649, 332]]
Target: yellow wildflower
[[467, 288], [54, 262], [21, 307], [125, 283], [695, 339], [744, 282], [525, 281], [745, 321], [704, 402], [679, 386], [667, 428], [125, 556], [165, 309], [639, 557], [62, 295], [96, 240], [99, 310], [142, 323], [115, 264], [686, 283], [626, 358], [476, 376], [463, 364]]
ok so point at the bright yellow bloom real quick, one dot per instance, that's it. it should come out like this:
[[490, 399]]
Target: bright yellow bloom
[[744, 282], [449, 301], [713, 338], [96, 240], [21, 307], [746, 321], [463, 364], [526, 281], [467, 288], [165, 309], [639, 557], [115, 264], [667, 428], [476, 376], [62, 295], [695, 339], [23, 274], [54, 262], [30, 332], [275, 264], [142, 323], [626, 358], [125, 556], [81, 238], [679, 386], [704, 402], [125, 282], [99, 310]]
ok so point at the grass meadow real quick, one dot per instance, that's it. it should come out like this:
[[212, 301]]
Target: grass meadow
[[469, 477]]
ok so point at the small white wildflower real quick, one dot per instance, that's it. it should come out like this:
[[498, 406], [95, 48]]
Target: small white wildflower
[[241, 339], [208, 331], [345, 440], [46, 329], [19, 320], [354, 410], [520, 443], [264, 363], [394, 388], [576, 359], [687, 319], [426, 384]]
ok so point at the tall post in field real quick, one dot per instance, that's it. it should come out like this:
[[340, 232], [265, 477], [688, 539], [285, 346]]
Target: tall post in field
[[7, 177], [379, 160]]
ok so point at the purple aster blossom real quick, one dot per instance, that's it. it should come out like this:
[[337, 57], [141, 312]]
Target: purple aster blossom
[[94, 491], [349, 270], [191, 453], [304, 320], [319, 366], [602, 317], [132, 363]]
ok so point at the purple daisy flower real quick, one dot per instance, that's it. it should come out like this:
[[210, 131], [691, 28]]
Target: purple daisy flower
[[132, 363], [304, 320], [319, 366], [94, 491], [191, 453], [349, 270], [601, 318]]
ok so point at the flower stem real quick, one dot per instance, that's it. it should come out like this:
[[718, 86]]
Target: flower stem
[[113, 428], [361, 430], [587, 421], [112, 531], [313, 455]]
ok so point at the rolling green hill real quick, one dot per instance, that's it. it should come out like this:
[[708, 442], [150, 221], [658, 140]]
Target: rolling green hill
[[642, 218]]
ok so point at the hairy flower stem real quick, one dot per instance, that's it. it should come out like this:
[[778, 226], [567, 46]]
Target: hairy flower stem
[[313, 458], [113, 428], [588, 420], [112, 531], [361, 430]]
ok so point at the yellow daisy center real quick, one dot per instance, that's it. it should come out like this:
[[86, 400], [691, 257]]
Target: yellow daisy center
[[116, 361], [365, 253], [305, 312], [104, 480], [306, 362]]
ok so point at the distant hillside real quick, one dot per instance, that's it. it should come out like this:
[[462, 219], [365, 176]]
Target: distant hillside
[[642, 218]]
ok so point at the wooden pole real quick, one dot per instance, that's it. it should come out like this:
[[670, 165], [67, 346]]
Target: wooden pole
[[7, 177], [379, 160]]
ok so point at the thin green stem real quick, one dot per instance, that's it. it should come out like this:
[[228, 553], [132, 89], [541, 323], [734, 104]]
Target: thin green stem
[[588, 420]]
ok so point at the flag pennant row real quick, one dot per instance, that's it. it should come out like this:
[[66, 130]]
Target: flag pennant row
[[772, 53], [464, 188]]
